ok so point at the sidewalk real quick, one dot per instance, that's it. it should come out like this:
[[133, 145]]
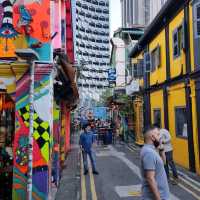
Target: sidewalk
[[69, 187]]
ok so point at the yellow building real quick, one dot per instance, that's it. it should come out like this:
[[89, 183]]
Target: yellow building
[[166, 60]]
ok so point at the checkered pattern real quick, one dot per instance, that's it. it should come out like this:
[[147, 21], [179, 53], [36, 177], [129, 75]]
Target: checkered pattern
[[41, 128]]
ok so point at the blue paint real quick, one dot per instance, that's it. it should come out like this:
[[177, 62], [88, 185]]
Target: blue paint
[[44, 51]]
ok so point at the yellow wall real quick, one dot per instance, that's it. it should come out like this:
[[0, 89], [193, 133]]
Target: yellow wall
[[180, 145], [195, 128], [178, 64], [156, 99], [159, 75], [191, 37]]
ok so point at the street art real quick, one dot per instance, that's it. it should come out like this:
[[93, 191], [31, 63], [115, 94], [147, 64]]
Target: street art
[[23, 26], [42, 136], [56, 145]]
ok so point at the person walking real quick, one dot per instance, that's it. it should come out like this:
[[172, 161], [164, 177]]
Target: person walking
[[168, 149], [87, 139], [154, 179]]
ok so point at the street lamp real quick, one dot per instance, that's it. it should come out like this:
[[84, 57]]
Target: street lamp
[[30, 56]]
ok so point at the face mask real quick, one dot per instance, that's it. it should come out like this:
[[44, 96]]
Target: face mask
[[156, 143]]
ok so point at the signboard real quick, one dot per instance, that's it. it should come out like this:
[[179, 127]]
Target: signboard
[[100, 113], [132, 87], [112, 74]]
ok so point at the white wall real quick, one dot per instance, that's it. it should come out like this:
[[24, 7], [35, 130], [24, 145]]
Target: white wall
[[120, 62]]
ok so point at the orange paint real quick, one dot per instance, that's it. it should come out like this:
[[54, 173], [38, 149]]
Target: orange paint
[[40, 25]]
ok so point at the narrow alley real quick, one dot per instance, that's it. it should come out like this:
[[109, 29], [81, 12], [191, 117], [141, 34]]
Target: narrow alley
[[119, 177]]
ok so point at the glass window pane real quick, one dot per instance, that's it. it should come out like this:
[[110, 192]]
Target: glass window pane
[[157, 116], [181, 121]]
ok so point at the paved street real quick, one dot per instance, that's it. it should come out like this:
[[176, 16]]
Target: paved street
[[120, 178]]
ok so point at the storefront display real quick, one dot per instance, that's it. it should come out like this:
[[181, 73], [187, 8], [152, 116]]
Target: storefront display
[[7, 124]]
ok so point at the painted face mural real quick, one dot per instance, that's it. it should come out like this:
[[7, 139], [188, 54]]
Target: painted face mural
[[23, 26]]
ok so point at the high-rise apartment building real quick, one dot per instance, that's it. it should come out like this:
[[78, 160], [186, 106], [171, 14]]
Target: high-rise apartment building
[[139, 12], [91, 44]]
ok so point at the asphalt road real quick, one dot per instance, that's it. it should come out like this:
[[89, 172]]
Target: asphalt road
[[120, 179]]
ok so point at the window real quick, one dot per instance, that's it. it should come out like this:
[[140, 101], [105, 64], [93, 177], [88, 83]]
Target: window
[[140, 68], [135, 71], [157, 116], [147, 62], [196, 29], [155, 58], [197, 21], [178, 41], [181, 121]]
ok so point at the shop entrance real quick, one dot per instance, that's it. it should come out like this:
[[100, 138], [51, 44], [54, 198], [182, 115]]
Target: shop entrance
[[7, 130]]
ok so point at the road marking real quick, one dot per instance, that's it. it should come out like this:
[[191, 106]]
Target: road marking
[[92, 183], [133, 147], [83, 185], [130, 149], [189, 191], [128, 191], [191, 185], [185, 176]]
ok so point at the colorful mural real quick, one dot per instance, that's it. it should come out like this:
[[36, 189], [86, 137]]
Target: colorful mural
[[23, 26], [56, 144], [42, 135]]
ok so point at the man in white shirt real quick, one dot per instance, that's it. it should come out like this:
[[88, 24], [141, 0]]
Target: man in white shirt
[[168, 149]]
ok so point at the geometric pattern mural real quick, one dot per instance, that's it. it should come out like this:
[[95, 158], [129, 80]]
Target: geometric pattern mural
[[41, 131]]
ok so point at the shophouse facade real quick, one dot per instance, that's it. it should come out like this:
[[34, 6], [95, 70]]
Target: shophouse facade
[[166, 63], [43, 30]]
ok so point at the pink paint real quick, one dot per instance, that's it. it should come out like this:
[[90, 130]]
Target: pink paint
[[57, 25]]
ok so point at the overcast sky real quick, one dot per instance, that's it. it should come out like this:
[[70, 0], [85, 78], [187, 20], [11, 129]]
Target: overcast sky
[[115, 16]]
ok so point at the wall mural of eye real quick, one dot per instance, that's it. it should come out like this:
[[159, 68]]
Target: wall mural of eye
[[8, 32]]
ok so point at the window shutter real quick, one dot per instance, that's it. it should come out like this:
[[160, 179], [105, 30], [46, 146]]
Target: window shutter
[[140, 68], [158, 56], [175, 43], [147, 62], [135, 70], [197, 21], [184, 34]]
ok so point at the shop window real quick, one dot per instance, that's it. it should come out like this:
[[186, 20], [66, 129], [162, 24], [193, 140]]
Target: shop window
[[155, 58], [181, 122], [157, 116], [7, 126]]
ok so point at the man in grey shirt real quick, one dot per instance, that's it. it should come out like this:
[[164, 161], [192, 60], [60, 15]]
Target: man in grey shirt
[[154, 179]]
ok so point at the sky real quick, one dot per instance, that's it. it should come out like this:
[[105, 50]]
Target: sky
[[115, 17]]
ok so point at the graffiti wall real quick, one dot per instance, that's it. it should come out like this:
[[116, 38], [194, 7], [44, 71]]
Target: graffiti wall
[[23, 26], [42, 135], [56, 144]]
